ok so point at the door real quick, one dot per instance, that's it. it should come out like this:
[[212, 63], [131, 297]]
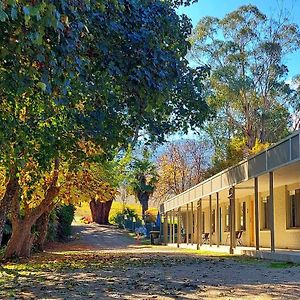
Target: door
[[251, 223]]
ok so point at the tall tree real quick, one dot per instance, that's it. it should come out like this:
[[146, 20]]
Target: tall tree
[[181, 165], [249, 91], [111, 175], [85, 72], [296, 104], [143, 178]]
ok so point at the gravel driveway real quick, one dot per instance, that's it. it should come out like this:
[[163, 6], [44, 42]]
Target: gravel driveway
[[116, 268], [101, 236]]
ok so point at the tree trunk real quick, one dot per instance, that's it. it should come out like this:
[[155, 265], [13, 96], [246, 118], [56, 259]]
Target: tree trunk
[[42, 229], [21, 240], [100, 211], [144, 200], [11, 192]]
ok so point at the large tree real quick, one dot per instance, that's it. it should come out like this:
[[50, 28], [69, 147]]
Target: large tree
[[143, 177], [103, 185], [181, 166], [81, 74], [249, 89]]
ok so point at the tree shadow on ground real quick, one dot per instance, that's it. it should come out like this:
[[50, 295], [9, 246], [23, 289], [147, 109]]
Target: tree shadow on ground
[[166, 275]]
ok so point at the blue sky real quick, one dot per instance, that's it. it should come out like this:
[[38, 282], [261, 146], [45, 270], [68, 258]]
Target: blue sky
[[219, 8]]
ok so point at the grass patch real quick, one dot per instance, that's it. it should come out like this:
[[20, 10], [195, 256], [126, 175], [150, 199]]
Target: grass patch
[[282, 264], [200, 252], [84, 209]]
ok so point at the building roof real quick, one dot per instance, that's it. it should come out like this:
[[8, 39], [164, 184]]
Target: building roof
[[285, 152]]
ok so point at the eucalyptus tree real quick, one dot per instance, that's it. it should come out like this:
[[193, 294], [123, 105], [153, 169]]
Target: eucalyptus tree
[[249, 89], [80, 80]]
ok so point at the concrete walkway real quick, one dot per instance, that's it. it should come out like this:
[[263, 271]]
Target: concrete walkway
[[110, 238], [265, 253]]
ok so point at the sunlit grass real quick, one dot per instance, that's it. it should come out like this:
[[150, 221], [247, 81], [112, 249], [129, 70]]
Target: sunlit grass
[[84, 209], [282, 265]]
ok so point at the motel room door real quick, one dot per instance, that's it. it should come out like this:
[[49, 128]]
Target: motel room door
[[251, 222]]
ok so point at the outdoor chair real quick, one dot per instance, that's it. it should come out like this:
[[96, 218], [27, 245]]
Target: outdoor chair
[[238, 237], [205, 238]]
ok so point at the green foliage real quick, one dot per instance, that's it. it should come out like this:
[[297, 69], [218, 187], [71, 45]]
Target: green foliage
[[143, 178], [65, 217], [121, 217], [53, 226], [234, 151], [248, 85], [118, 219], [98, 72], [77, 76], [143, 175], [101, 72], [281, 265]]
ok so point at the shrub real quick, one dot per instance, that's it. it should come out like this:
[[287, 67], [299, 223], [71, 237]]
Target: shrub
[[150, 215], [52, 226], [7, 230], [127, 214], [65, 216]]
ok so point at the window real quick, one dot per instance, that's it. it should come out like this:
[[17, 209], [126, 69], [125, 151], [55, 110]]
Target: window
[[243, 216], [294, 209], [226, 229], [203, 222], [266, 213], [213, 221]]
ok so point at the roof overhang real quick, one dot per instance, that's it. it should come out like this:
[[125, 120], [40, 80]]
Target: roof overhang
[[279, 155]]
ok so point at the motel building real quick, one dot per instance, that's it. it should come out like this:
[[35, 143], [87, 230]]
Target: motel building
[[251, 208]]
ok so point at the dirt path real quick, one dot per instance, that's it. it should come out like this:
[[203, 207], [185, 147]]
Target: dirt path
[[116, 268], [102, 237]]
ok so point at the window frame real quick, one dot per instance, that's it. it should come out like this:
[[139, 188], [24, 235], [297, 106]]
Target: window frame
[[265, 216], [292, 209]]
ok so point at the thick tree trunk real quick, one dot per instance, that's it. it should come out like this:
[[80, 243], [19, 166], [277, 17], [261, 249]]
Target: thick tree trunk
[[21, 240], [100, 211], [42, 229], [11, 192]]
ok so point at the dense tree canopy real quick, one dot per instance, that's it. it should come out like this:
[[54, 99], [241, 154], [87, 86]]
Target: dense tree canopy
[[80, 80], [249, 89]]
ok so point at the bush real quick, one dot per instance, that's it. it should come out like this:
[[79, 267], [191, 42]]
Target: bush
[[128, 214], [52, 226], [7, 231], [150, 215], [65, 216]]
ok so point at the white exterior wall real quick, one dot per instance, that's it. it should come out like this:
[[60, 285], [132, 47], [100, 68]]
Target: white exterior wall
[[285, 238]]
